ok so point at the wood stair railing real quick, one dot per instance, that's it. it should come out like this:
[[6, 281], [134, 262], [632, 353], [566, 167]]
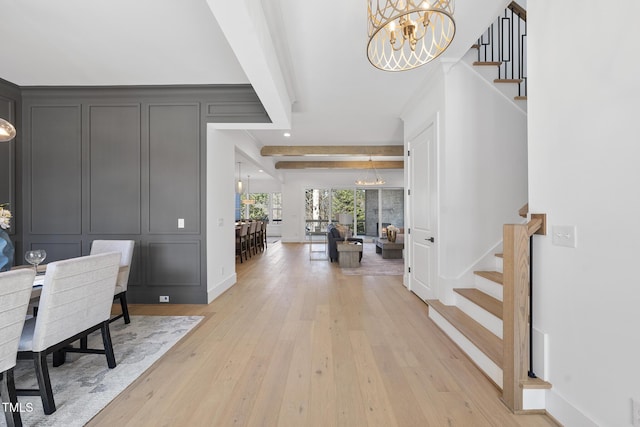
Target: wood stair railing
[[516, 310]]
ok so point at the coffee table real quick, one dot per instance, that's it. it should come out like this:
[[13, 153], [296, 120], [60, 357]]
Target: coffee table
[[349, 254], [390, 250]]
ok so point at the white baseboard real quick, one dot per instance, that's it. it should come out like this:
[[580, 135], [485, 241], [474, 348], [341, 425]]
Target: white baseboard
[[218, 289], [565, 413]]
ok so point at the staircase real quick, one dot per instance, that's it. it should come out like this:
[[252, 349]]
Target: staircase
[[476, 320], [494, 334], [500, 54]]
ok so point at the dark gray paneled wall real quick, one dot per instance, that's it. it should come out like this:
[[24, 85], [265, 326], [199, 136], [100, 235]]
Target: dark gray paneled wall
[[114, 162], [126, 163], [10, 104], [54, 169]]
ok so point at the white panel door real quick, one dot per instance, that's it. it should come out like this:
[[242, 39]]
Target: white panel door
[[423, 211]]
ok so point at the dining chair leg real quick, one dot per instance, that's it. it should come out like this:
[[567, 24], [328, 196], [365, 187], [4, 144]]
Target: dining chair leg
[[8, 392], [44, 382], [125, 308], [108, 345], [60, 357]]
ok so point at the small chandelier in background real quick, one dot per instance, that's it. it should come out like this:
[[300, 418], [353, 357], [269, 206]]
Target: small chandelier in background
[[247, 199], [7, 131], [376, 180], [405, 34]]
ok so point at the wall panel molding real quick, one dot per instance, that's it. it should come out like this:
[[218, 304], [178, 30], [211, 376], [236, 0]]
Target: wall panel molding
[[126, 163], [55, 165], [114, 175]]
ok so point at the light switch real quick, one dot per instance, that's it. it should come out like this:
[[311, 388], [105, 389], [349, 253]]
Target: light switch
[[180, 222], [564, 235], [220, 222]]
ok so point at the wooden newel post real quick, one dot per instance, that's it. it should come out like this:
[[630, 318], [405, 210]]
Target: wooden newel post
[[515, 313]]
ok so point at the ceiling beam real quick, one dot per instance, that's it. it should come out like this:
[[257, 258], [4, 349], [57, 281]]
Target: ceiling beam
[[332, 150], [366, 164]]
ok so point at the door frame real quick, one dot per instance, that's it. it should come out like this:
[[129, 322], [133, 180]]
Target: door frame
[[433, 120]]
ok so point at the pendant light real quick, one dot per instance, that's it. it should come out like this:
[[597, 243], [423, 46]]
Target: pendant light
[[7, 131], [239, 181], [248, 200], [405, 34]]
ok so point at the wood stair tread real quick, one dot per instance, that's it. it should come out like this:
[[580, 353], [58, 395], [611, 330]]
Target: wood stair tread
[[535, 383], [489, 303], [480, 336], [499, 255], [507, 80], [482, 63], [520, 98], [494, 276]]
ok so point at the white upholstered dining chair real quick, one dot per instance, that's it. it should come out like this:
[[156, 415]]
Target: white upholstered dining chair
[[125, 247], [76, 300], [15, 292]]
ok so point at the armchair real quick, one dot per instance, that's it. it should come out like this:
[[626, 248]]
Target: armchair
[[15, 291], [76, 300], [333, 236], [125, 247]]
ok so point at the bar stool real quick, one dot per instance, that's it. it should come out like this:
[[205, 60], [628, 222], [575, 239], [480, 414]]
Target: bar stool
[[242, 241], [252, 238], [259, 236], [264, 234]]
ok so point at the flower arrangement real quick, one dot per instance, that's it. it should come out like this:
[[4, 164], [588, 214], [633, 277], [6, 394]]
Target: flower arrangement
[[5, 216], [392, 232]]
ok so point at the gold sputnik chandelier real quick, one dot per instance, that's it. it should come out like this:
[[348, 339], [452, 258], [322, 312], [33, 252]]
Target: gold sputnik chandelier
[[405, 34]]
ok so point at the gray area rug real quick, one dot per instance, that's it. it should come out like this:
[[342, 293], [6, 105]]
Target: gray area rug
[[373, 264], [84, 385]]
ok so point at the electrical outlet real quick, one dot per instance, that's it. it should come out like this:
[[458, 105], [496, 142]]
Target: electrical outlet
[[164, 298], [635, 406]]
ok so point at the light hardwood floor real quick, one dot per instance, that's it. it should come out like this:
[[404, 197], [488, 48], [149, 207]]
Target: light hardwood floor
[[297, 343]]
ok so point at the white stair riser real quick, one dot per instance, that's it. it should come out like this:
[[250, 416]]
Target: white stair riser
[[479, 358], [471, 56], [534, 398], [489, 287], [509, 89], [488, 72], [499, 264], [480, 315], [522, 104]]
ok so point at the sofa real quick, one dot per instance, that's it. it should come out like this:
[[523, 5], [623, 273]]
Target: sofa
[[333, 236]]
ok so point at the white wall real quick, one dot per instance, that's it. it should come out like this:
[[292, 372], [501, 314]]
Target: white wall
[[584, 153], [484, 170], [482, 162], [293, 190], [221, 273]]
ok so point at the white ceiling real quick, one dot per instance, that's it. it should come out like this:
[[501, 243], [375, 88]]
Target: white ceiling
[[306, 60]]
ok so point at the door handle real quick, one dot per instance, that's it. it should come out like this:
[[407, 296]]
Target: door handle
[[431, 239]]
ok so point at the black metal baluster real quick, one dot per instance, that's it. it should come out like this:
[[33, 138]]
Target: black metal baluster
[[531, 374]]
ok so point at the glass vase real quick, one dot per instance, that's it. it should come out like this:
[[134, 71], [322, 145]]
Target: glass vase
[[7, 251]]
